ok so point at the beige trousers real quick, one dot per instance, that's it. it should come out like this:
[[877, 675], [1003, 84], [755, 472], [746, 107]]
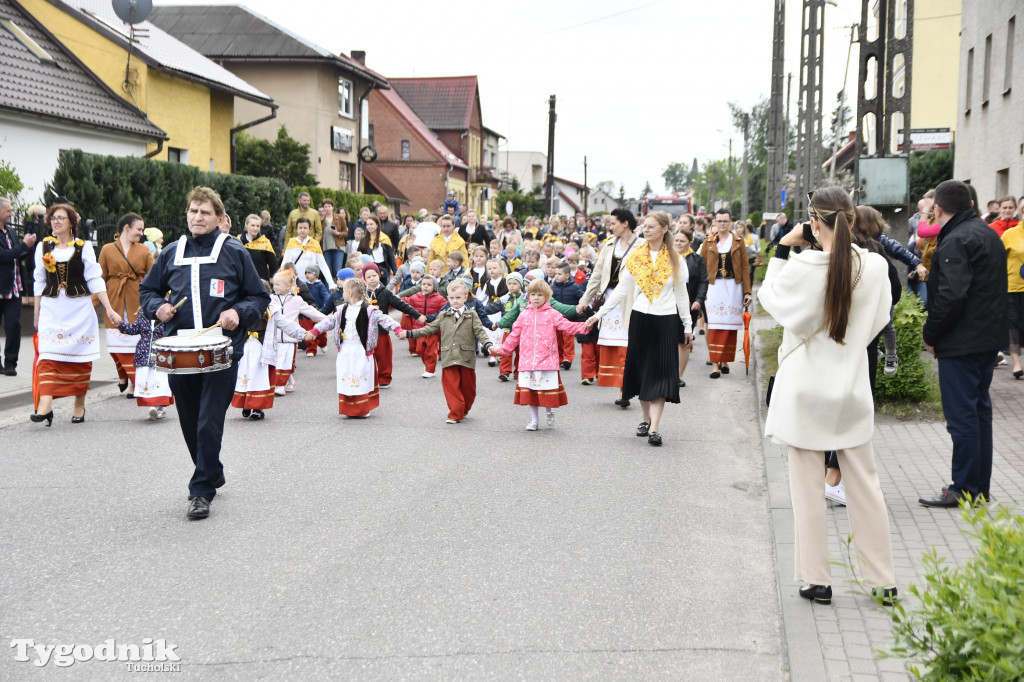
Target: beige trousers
[[869, 518]]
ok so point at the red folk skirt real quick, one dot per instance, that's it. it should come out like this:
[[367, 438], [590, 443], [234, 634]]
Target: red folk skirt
[[62, 379], [125, 364], [555, 397], [611, 361], [722, 345]]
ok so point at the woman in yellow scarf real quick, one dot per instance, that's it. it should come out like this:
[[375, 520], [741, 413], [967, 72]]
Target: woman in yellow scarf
[[657, 276]]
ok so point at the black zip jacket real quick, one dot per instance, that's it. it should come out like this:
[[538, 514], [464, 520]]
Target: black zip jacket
[[967, 289], [383, 298]]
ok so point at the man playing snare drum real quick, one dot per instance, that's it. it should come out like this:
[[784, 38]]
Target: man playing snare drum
[[222, 287]]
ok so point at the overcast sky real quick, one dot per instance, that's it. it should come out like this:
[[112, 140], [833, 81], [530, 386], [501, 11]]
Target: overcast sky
[[639, 83]]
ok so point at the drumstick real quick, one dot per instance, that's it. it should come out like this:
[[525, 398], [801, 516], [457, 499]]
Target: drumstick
[[212, 326], [178, 305]]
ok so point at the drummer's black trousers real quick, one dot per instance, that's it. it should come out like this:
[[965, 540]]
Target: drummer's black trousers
[[202, 401]]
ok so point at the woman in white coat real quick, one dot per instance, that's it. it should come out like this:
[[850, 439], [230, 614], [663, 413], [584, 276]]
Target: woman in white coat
[[831, 303]]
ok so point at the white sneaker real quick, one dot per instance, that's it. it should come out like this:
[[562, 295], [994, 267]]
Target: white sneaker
[[588, 382], [429, 375], [451, 421], [836, 493], [892, 365], [491, 362], [551, 420], [161, 412], [279, 390], [532, 426], [152, 414]]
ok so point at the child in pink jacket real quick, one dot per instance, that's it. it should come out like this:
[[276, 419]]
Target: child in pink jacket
[[534, 332]]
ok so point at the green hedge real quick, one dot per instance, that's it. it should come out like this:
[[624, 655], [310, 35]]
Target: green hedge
[[913, 380], [352, 201], [103, 185]]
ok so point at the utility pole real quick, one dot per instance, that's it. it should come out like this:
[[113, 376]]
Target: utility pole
[[883, 177], [745, 199], [549, 181], [841, 115], [586, 189], [777, 152], [809, 147], [732, 179]]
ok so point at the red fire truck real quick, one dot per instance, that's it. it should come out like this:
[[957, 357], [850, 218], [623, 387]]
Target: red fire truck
[[674, 204]]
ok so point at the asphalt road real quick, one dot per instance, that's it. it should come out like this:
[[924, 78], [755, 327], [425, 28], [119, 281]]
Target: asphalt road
[[400, 547]]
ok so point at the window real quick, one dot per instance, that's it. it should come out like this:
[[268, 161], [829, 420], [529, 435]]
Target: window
[[1002, 182], [345, 97], [970, 80], [369, 137], [405, 149], [1011, 28], [26, 40], [175, 155], [346, 171], [212, 166], [986, 74]]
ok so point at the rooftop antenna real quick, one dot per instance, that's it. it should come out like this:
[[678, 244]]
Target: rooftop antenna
[[132, 12]]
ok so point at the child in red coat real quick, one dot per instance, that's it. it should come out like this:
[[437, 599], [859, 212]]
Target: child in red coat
[[427, 302]]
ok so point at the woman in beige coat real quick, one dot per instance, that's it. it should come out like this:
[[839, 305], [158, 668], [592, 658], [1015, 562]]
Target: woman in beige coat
[[606, 358]]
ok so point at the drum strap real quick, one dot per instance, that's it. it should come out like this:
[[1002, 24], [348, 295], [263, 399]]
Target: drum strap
[[195, 262]]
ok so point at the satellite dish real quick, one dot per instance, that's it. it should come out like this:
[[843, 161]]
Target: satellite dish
[[133, 11]]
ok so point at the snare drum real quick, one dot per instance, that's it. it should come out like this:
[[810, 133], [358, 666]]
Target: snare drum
[[184, 355]]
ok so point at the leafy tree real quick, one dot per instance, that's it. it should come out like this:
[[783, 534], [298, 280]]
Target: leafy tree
[[606, 186], [523, 204], [647, 189], [286, 158], [675, 176], [622, 195], [10, 183], [928, 169]]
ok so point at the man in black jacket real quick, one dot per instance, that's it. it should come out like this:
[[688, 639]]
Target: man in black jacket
[[12, 288], [966, 327]]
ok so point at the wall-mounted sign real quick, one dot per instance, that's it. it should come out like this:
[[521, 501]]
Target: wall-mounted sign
[[341, 139], [368, 154], [925, 139]]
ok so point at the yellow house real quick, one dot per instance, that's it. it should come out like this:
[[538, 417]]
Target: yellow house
[[179, 90], [936, 64]]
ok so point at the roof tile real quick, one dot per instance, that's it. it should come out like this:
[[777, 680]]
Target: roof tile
[[443, 103]]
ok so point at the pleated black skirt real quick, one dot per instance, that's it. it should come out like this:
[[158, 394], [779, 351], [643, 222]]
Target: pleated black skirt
[[652, 358], [1015, 315]]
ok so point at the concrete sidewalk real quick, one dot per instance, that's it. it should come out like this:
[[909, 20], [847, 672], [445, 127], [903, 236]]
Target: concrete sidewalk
[[839, 642]]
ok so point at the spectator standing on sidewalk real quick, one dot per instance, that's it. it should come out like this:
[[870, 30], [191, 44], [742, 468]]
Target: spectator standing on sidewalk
[[965, 330], [12, 285], [316, 228], [831, 303]]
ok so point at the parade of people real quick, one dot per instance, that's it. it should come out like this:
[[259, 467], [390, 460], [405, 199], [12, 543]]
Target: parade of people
[[321, 361]]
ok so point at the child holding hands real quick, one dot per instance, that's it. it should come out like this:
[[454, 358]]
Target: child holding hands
[[356, 326], [459, 328], [535, 334]]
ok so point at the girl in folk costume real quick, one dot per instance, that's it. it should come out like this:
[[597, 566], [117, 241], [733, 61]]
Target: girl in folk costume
[[728, 291], [657, 277], [427, 302], [606, 358], [124, 263], [254, 387], [303, 250], [478, 272], [152, 389], [495, 294], [259, 248], [281, 339], [379, 248], [384, 300], [66, 273], [534, 333], [356, 328]]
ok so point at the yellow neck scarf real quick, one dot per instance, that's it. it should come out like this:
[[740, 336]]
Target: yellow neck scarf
[[688, 252], [311, 245], [650, 274]]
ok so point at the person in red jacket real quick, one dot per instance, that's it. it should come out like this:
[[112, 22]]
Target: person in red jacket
[[427, 302], [1007, 207]]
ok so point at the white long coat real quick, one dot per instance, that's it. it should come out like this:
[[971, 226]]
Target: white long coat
[[822, 397]]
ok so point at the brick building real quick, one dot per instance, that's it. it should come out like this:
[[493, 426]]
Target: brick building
[[410, 156]]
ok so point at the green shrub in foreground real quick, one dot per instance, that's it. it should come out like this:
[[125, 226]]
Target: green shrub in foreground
[[968, 625]]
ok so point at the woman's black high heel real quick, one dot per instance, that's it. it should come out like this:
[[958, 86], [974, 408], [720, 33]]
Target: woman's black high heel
[[78, 420], [122, 387], [1019, 374], [48, 417]]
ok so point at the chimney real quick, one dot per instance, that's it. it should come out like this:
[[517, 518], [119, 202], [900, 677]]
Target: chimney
[[359, 56]]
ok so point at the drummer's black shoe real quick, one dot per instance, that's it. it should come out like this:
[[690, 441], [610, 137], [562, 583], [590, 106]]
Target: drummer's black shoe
[[198, 508]]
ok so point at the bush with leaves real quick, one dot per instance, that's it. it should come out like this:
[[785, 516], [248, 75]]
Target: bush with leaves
[[115, 185], [967, 624], [285, 158], [913, 380], [350, 201]]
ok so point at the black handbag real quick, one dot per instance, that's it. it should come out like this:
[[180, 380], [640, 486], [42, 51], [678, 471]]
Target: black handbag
[[598, 300]]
